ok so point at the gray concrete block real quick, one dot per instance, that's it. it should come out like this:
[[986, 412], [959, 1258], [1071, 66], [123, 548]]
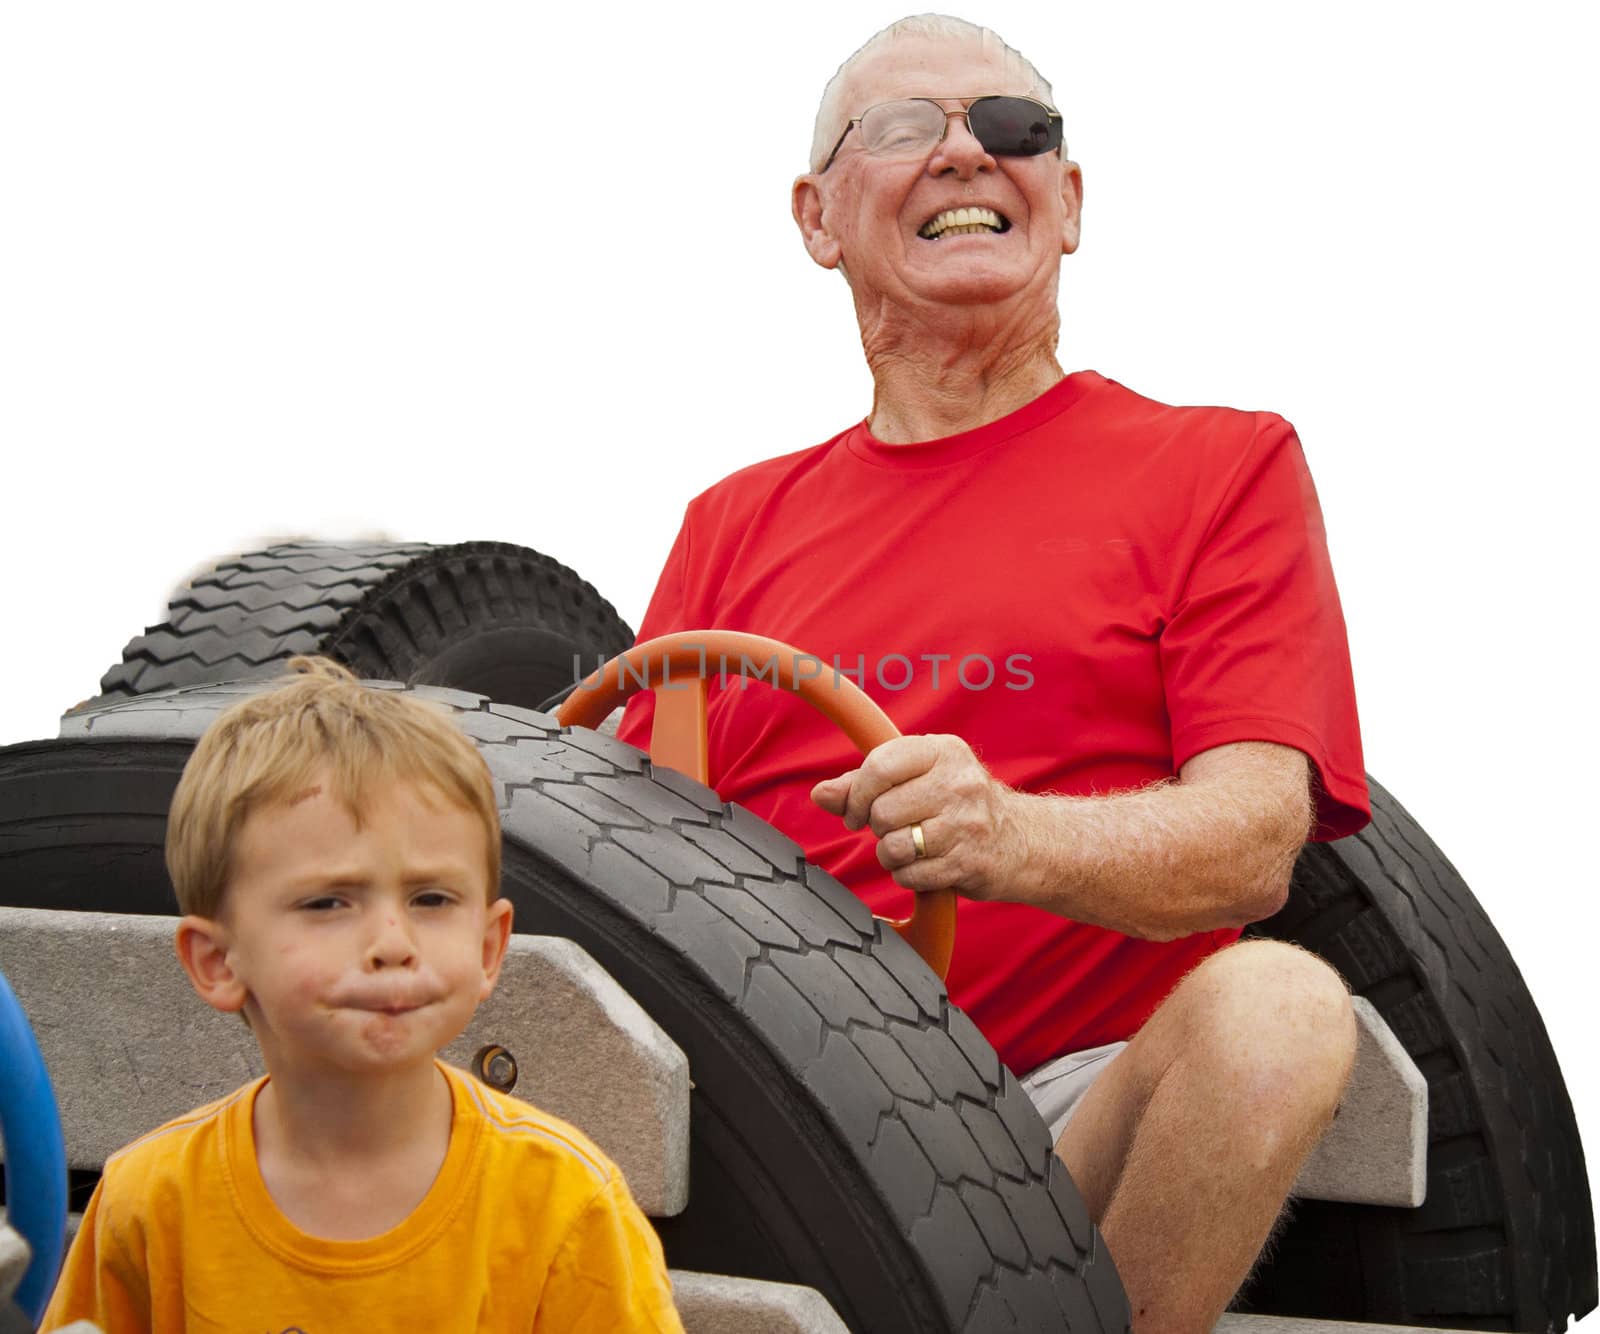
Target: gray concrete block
[[586, 1051], [15, 1256], [127, 1042], [129, 1045], [1232, 1323], [1376, 1150], [721, 1304]]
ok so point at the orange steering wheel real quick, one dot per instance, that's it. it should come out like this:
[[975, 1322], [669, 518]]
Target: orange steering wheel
[[675, 667]]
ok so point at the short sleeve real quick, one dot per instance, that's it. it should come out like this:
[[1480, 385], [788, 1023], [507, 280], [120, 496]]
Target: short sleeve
[[102, 1280], [666, 613], [1255, 647], [609, 1272]]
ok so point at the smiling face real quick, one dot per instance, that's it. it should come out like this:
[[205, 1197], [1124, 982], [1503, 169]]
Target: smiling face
[[357, 945], [891, 222]]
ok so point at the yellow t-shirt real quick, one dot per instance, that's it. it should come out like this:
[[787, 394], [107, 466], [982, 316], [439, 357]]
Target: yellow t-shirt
[[527, 1227]]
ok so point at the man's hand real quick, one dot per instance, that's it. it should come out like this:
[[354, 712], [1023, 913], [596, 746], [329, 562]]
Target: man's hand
[[972, 824], [1211, 848]]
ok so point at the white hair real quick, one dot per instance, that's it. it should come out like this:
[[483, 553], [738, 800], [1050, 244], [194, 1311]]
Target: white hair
[[832, 116]]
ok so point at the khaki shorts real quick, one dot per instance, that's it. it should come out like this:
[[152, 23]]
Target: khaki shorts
[[1058, 1086]]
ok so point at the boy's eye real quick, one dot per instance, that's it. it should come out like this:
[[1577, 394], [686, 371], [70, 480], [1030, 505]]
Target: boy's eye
[[433, 898], [326, 903]]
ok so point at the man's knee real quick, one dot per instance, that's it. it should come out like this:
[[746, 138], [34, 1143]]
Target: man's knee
[[1273, 1013]]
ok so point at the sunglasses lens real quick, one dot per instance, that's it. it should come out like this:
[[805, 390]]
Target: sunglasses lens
[[1014, 127], [901, 128]]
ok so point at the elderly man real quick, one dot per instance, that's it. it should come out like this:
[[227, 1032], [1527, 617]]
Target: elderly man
[[1110, 631]]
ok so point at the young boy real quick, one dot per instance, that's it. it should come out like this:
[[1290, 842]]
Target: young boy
[[336, 851]]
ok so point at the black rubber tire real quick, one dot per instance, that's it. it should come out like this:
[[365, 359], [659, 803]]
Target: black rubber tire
[[1505, 1238], [489, 617], [850, 1128]]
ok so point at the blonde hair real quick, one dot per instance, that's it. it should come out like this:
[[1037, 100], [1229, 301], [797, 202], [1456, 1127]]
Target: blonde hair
[[831, 113], [270, 747]]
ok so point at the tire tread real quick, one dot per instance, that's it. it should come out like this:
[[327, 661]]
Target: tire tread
[[1505, 1163], [996, 1222]]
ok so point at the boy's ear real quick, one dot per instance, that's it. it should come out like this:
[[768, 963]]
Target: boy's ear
[[202, 946], [496, 936]]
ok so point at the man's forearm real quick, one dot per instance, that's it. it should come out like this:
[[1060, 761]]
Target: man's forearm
[[1193, 854]]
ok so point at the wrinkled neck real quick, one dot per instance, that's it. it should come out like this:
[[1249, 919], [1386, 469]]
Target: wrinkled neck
[[936, 373]]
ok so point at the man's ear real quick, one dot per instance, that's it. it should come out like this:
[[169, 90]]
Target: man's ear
[[806, 203], [202, 945], [1071, 206], [496, 936]]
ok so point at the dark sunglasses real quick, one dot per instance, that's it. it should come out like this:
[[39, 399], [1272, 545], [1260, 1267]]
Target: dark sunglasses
[[1005, 126]]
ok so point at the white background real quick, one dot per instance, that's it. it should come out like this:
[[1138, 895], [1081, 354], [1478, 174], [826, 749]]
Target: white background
[[482, 271]]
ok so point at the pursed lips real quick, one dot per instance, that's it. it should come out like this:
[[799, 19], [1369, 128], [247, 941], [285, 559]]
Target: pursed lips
[[391, 1005]]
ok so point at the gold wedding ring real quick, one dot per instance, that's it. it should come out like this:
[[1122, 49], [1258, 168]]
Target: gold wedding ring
[[917, 840]]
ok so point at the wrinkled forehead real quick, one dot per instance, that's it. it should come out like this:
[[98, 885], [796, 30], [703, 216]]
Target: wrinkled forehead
[[935, 67]]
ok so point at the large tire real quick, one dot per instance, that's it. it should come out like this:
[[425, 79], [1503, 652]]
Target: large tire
[[850, 1129], [489, 617], [1505, 1238]]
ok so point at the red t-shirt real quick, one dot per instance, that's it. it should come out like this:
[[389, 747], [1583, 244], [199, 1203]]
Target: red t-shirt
[[1090, 590]]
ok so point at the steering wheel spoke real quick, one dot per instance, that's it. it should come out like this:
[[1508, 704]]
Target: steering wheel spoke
[[676, 666]]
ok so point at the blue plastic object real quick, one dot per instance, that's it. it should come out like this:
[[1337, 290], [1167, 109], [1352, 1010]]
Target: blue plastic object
[[36, 1155]]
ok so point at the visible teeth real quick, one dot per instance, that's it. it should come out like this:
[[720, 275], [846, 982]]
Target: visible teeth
[[961, 222]]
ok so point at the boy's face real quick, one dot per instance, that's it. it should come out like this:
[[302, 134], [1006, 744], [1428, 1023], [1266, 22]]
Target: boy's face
[[360, 948]]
